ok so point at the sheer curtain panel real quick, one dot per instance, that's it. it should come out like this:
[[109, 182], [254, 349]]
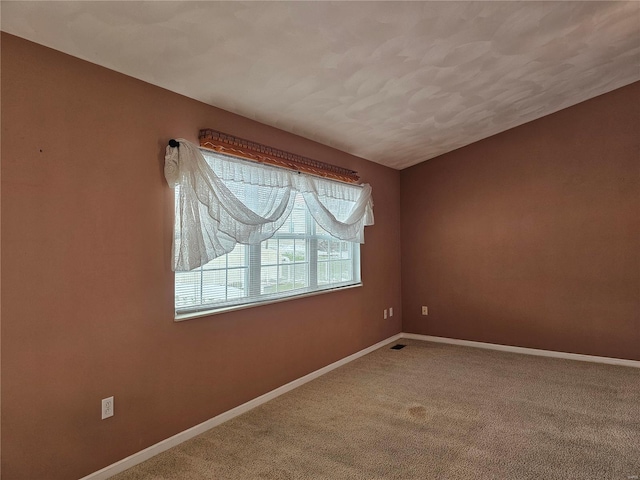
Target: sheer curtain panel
[[223, 201]]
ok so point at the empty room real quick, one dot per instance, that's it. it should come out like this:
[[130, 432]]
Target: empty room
[[320, 240]]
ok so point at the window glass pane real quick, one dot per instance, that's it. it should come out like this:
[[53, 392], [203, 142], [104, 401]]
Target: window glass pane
[[334, 249], [286, 250], [269, 252], [268, 280], [285, 277], [335, 267], [323, 273], [213, 286], [300, 254], [323, 250], [236, 283], [187, 288], [347, 270], [301, 276]]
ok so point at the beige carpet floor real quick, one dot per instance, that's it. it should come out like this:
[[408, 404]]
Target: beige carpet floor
[[429, 411]]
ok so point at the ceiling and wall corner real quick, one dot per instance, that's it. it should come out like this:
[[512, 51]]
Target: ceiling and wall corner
[[396, 83], [531, 237]]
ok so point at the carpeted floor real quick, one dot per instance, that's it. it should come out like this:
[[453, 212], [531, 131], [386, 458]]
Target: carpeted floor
[[429, 411]]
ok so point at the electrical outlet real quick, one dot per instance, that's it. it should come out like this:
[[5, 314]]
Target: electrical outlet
[[107, 407], [391, 311], [425, 311], [385, 313]]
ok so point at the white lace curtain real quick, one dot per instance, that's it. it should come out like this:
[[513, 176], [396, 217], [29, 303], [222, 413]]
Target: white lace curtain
[[224, 201]]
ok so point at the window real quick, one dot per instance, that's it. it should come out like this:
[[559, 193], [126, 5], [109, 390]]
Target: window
[[300, 258]]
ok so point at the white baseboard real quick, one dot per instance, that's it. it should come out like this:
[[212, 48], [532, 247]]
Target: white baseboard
[[177, 439], [527, 351]]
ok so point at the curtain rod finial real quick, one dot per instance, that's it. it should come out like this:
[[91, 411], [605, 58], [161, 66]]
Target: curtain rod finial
[[173, 143]]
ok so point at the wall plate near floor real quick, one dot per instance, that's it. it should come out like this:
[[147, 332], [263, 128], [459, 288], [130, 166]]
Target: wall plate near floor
[[107, 407]]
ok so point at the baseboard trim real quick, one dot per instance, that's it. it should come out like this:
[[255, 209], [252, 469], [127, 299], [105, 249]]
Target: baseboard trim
[[526, 351], [181, 437], [177, 439]]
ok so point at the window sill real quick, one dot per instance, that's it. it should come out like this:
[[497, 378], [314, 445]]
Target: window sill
[[216, 311]]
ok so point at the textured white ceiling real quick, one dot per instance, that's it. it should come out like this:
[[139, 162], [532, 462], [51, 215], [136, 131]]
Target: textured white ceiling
[[393, 82]]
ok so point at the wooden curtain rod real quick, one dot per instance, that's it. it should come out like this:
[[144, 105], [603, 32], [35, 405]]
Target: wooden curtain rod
[[239, 147]]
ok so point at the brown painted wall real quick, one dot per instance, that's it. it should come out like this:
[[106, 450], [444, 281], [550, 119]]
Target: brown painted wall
[[87, 290], [531, 237]]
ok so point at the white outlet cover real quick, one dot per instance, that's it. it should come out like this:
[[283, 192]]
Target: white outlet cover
[[107, 407], [385, 313], [391, 312]]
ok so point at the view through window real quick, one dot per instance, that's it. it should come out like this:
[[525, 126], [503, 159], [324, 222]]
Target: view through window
[[300, 258]]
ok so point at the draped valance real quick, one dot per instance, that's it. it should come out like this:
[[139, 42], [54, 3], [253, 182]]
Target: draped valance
[[224, 201]]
